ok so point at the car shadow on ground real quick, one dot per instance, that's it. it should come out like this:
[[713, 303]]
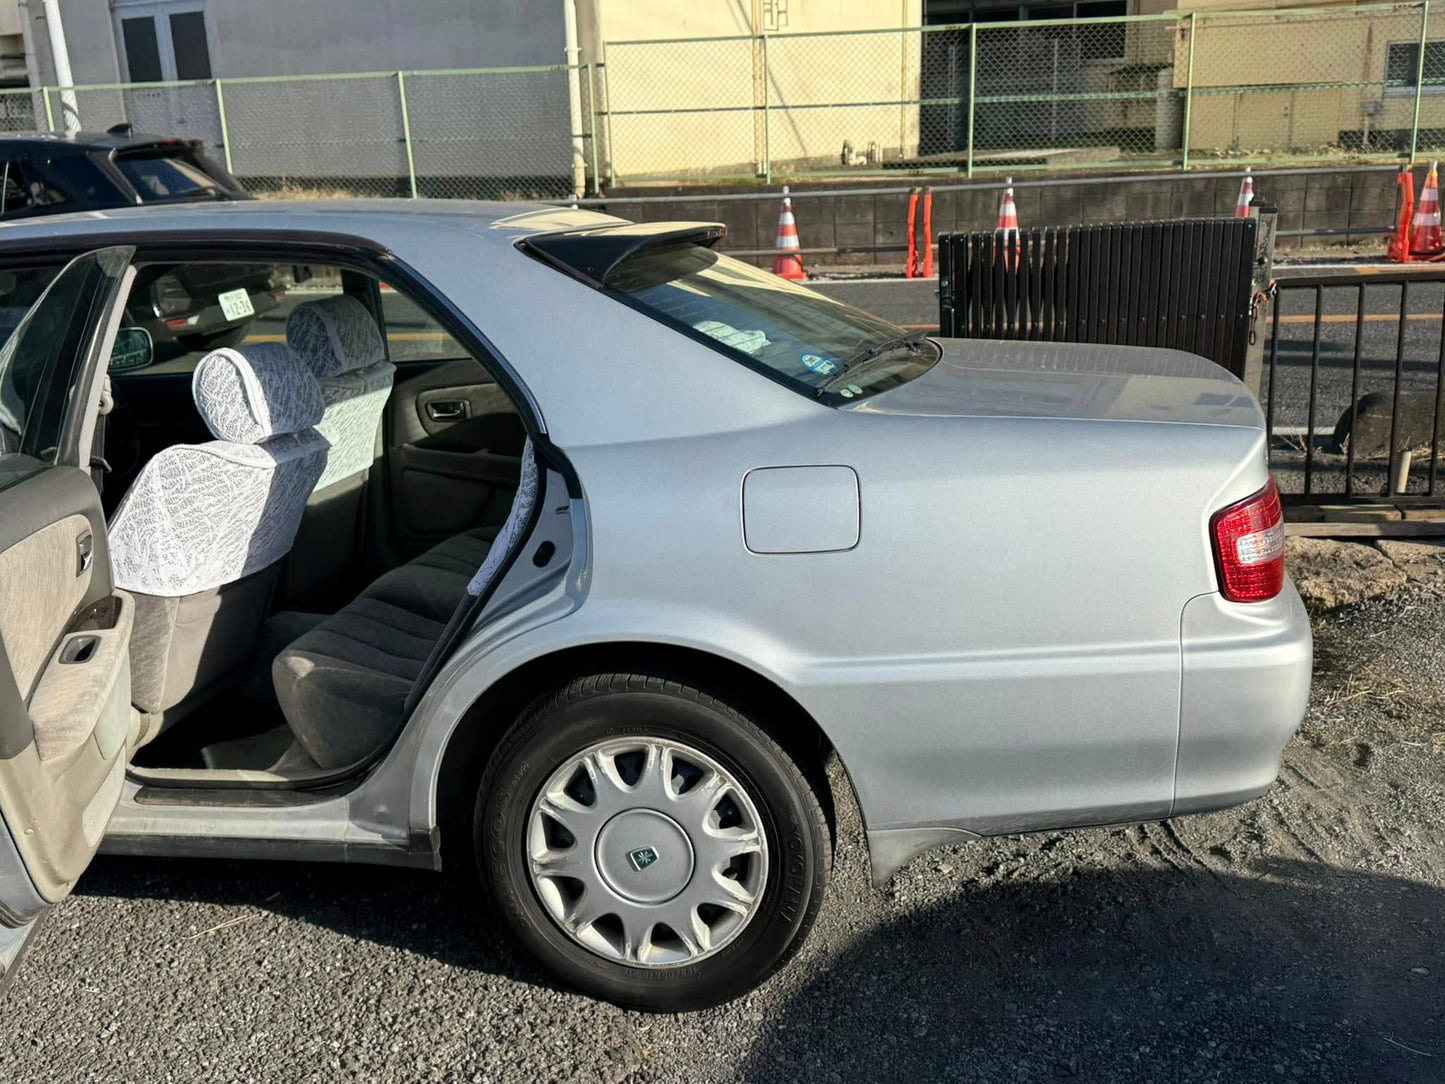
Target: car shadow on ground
[[1285, 971], [444, 917], [1294, 972]]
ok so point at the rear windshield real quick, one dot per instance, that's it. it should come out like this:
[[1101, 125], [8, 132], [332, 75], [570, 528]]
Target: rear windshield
[[819, 346], [161, 176]]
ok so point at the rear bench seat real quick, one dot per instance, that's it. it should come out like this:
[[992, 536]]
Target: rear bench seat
[[344, 684]]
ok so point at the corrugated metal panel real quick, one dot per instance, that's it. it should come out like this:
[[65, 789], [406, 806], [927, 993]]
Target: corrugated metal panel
[[1182, 284]]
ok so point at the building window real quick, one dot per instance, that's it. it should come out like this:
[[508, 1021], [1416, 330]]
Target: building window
[[142, 50], [188, 41], [163, 41], [1402, 61]]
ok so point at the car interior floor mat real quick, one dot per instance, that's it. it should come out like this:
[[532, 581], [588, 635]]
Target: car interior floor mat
[[226, 720], [255, 751]]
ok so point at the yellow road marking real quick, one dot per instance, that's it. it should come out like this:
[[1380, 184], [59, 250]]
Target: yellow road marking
[[395, 336], [1349, 318]]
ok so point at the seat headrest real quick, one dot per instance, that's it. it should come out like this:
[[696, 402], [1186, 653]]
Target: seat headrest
[[335, 335], [249, 394]]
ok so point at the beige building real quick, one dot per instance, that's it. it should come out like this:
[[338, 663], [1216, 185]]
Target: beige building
[[752, 92], [1273, 80], [1281, 82]]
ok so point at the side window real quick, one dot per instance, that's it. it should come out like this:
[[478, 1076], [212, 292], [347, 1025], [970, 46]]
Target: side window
[[23, 189], [190, 309], [47, 320], [412, 335]]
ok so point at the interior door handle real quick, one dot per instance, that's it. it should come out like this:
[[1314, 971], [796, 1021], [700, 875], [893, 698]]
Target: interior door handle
[[446, 410]]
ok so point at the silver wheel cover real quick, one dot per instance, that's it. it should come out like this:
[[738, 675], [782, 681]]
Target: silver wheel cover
[[647, 852]]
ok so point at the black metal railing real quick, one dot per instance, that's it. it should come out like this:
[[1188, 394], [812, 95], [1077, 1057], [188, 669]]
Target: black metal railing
[[1360, 444], [1184, 285]]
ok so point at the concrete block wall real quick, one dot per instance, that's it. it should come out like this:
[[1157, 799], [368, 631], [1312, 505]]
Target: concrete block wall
[[870, 230]]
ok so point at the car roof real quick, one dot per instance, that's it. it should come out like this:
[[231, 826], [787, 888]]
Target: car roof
[[84, 141], [389, 223]]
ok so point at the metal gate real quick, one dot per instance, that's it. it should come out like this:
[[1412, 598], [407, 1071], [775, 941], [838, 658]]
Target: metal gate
[[1187, 285], [1354, 389]]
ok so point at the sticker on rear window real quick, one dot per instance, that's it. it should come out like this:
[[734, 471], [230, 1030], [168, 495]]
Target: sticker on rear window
[[819, 364], [748, 341]]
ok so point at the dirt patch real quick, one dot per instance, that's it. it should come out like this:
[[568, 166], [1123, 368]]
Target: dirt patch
[[1330, 574], [1423, 562]]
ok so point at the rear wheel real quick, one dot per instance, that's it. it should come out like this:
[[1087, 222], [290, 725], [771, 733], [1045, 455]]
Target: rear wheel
[[650, 844]]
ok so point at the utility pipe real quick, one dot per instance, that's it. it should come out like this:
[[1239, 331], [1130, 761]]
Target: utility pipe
[[574, 97], [69, 111]]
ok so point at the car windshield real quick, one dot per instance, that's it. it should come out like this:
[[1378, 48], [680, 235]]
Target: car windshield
[[162, 177], [822, 347]]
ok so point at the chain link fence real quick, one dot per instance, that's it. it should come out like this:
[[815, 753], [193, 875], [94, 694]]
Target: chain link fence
[[1176, 89], [1152, 91], [498, 133]]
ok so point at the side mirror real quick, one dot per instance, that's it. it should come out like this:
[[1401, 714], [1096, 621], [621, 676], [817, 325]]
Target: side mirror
[[133, 349]]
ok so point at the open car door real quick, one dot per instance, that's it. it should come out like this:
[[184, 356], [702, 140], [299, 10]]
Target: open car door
[[64, 630]]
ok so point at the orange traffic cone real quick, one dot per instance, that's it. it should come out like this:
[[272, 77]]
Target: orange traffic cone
[[1008, 225], [1425, 237], [1246, 197], [1398, 248], [910, 266], [788, 263]]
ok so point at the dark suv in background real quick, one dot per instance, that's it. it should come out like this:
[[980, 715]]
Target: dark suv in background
[[52, 173], [195, 306]]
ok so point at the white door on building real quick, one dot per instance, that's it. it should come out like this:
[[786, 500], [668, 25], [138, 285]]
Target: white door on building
[[162, 41], [167, 41]]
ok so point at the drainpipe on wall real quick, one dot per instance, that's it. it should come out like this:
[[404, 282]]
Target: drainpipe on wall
[[33, 74], [574, 97], [70, 113]]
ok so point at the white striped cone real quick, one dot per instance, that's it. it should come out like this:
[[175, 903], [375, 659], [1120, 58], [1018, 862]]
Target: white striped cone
[[1425, 239], [1008, 212], [1008, 226], [788, 263], [1246, 197]]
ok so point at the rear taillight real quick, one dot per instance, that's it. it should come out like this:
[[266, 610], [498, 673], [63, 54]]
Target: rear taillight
[[1249, 547]]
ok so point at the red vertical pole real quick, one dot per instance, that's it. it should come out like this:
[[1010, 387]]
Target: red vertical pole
[[910, 269], [928, 233]]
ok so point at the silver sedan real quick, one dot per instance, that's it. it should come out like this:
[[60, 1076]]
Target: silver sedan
[[566, 551]]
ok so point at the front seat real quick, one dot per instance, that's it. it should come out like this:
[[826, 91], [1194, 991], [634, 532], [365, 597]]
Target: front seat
[[199, 537], [342, 346]]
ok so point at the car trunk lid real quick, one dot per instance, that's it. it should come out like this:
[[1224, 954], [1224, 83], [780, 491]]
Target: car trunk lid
[[990, 378]]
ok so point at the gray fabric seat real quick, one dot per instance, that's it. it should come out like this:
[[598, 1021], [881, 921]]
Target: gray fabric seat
[[341, 344], [199, 536], [358, 666], [344, 685]]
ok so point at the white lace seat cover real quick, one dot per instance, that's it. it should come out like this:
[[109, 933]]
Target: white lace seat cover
[[342, 346], [200, 516]]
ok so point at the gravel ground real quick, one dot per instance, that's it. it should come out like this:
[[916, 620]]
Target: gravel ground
[[1301, 937]]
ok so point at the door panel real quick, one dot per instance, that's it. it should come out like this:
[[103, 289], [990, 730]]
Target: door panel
[[453, 455], [64, 680], [64, 633]]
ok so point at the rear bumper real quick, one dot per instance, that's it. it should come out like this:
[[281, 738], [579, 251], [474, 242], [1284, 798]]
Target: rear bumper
[[1246, 681]]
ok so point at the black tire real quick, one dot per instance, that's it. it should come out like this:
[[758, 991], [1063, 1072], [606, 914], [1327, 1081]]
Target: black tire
[[602, 706]]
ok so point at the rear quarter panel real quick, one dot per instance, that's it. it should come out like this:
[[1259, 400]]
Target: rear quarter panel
[[1001, 649]]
